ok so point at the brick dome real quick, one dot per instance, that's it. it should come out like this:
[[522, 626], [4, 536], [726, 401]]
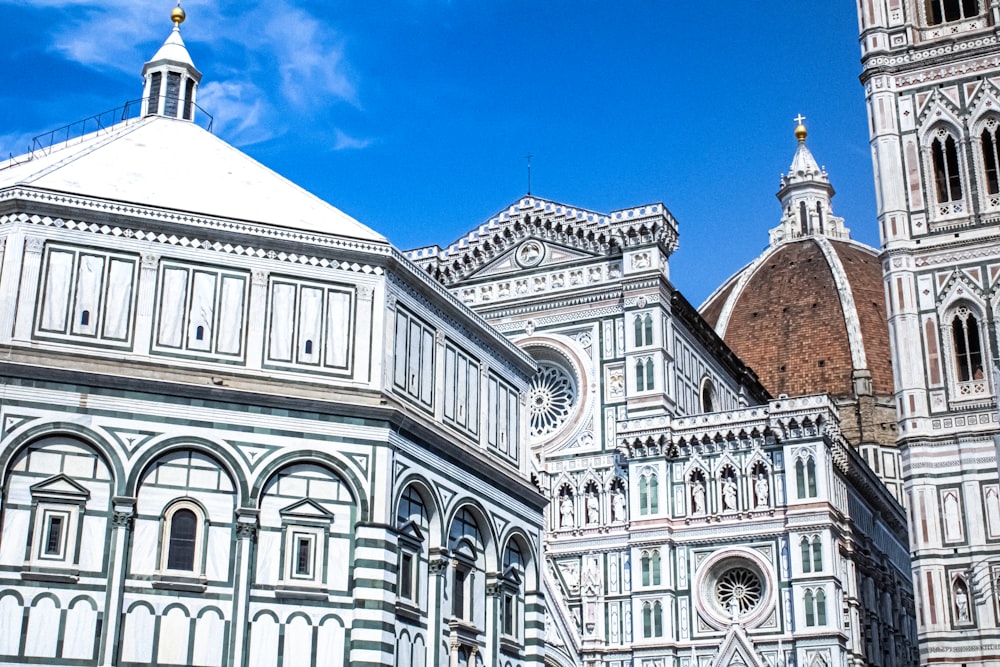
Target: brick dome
[[808, 315]]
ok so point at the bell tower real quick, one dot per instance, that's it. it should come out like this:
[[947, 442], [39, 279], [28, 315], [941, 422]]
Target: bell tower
[[171, 77], [931, 74]]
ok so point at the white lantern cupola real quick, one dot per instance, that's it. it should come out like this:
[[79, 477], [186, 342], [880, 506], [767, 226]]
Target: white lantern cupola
[[171, 77], [805, 193]]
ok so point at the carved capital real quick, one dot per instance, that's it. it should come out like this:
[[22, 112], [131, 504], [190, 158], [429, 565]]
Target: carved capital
[[438, 561], [365, 292], [34, 244], [150, 261], [390, 301], [122, 519], [246, 523], [259, 277], [123, 512]]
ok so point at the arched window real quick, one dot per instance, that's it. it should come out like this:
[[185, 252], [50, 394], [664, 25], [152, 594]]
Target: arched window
[[947, 177], [657, 619], [968, 350], [991, 157], [806, 552], [182, 538], [707, 396], [511, 601], [805, 477], [817, 553], [944, 11], [820, 607], [803, 218], [643, 329], [655, 567], [409, 514], [654, 495], [640, 376], [643, 495], [809, 604], [647, 620]]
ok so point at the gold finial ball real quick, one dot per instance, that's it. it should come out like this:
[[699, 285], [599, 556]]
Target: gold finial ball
[[800, 132], [178, 15]]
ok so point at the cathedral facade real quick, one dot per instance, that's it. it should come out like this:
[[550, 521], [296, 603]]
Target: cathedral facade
[[932, 84], [693, 520], [239, 427]]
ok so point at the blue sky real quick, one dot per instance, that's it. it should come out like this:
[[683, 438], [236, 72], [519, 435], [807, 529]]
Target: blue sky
[[415, 116]]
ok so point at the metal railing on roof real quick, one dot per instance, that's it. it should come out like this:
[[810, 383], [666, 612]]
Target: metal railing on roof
[[45, 143]]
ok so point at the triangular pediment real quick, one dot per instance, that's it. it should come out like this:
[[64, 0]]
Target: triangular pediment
[[410, 530], [529, 254], [534, 232], [306, 509], [61, 487], [737, 650]]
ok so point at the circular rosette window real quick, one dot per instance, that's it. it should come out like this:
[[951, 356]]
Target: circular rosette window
[[551, 399], [734, 586]]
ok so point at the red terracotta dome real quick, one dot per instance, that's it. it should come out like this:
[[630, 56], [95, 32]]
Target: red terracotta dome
[[808, 315]]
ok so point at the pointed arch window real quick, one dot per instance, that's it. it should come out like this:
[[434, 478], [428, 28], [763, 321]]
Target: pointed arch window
[[643, 329], [947, 177], [649, 491], [805, 477], [812, 553], [991, 157], [945, 11], [644, 375], [968, 345]]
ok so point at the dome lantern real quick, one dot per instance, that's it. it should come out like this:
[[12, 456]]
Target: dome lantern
[[171, 79]]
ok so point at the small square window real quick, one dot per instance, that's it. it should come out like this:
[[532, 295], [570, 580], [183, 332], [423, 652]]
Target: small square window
[[304, 552], [53, 535]]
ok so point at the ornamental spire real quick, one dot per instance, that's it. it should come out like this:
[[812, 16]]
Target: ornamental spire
[[171, 77], [805, 194]]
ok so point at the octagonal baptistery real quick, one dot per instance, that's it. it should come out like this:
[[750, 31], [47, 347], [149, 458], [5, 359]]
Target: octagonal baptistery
[[808, 315], [239, 427]]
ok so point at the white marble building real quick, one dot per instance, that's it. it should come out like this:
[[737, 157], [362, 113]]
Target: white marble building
[[239, 427], [693, 520], [931, 83]]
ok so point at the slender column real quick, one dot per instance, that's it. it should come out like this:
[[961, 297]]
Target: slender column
[[119, 548], [246, 547], [364, 363], [30, 266], [493, 620], [10, 278], [257, 319], [147, 293], [437, 566]]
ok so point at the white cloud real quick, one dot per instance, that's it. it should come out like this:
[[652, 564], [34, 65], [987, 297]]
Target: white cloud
[[239, 111], [344, 142], [272, 61]]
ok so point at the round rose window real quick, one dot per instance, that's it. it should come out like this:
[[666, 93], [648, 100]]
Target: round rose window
[[550, 399], [738, 590]]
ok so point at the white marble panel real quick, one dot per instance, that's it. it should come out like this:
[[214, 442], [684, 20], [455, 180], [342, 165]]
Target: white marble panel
[[201, 316], [89, 281], [217, 566], [282, 319], [81, 630], [338, 550], [92, 542], [310, 331], [175, 628], [231, 315], [43, 629], [119, 301], [137, 642], [144, 545], [49, 463], [81, 467], [11, 615], [199, 478], [268, 557], [208, 635], [292, 486], [264, 642], [298, 642], [338, 328], [172, 300], [330, 643], [57, 287], [15, 536]]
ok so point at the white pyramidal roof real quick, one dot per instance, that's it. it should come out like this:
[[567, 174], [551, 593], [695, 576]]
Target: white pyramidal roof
[[175, 164]]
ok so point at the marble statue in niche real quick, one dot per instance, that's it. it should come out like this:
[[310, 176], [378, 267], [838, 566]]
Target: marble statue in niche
[[698, 496], [593, 509], [566, 519], [761, 490], [729, 494]]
